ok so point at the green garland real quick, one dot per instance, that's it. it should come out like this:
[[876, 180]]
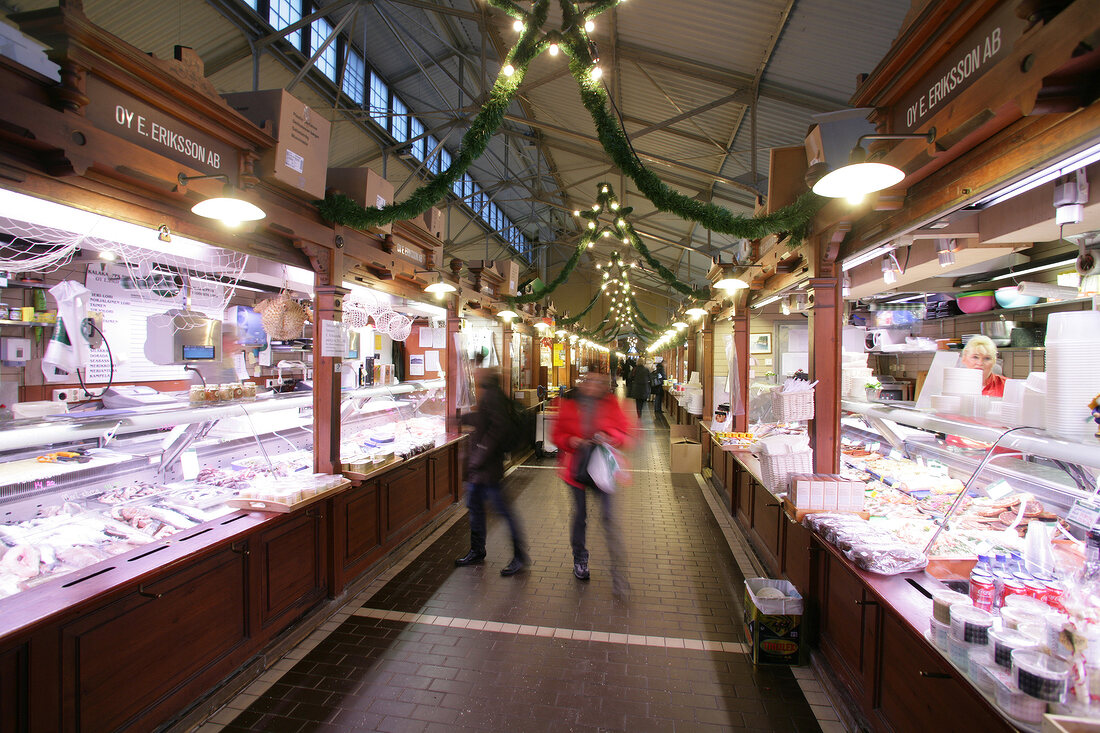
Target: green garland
[[573, 40], [574, 319], [566, 271]]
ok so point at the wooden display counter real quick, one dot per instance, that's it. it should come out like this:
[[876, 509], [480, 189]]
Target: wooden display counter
[[170, 620], [869, 629]]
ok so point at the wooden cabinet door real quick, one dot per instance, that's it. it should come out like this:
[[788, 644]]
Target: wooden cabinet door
[[404, 495], [732, 471], [766, 514], [744, 497], [292, 567], [798, 554], [13, 689], [848, 628], [145, 656], [918, 692], [357, 532], [441, 471]]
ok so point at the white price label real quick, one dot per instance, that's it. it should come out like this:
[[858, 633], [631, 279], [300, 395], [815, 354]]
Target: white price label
[[1083, 513], [896, 454], [873, 447], [998, 490]]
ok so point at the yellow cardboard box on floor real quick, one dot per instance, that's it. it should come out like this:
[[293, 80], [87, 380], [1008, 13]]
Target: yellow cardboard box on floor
[[685, 451], [773, 626]]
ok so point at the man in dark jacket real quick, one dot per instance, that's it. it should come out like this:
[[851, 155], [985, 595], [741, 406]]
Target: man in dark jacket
[[485, 471], [640, 384], [658, 388]]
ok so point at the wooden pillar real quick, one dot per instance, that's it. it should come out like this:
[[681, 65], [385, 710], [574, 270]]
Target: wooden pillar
[[454, 325], [741, 346], [706, 369], [826, 323], [328, 309]]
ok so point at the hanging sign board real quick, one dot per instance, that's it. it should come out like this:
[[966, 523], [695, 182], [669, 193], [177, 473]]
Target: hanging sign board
[[113, 110], [967, 60], [559, 355]]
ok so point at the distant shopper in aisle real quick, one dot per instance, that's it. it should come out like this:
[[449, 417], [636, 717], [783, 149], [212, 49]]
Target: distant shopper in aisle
[[485, 471], [640, 384], [658, 387], [981, 353], [594, 413]]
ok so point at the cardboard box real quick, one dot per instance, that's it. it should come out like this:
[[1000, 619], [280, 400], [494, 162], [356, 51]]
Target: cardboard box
[[299, 160], [364, 187], [431, 221], [526, 397], [509, 270], [773, 627], [685, 451]]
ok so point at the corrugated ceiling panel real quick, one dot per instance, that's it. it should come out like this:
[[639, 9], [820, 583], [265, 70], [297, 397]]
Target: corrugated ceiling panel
[[818, 53]]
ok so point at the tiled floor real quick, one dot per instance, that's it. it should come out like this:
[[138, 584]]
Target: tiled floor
[[433, 647]]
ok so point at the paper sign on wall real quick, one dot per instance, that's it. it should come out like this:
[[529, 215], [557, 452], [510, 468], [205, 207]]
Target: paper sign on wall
[[416, 365], [334, 339], [431, 361]]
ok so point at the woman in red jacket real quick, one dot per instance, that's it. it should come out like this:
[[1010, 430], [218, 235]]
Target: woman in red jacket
[[593, 413]]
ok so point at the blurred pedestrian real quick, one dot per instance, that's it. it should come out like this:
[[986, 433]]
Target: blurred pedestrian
[[594, 413], [485, 471], [640, 384], [658, 387]]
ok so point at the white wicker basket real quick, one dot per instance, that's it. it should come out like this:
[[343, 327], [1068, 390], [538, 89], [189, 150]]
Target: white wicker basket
[[777, 470], [793, 406]]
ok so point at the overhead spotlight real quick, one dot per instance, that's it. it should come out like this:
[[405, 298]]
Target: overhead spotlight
[[785, 305], [731, 283], [589, 26], [227, 208], [945, 251], [509, 70], [858, 178], [518, 26], [553, 49], [845, 285], [890, 269], [507, 314]]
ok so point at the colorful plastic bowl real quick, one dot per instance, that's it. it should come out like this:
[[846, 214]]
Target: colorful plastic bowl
[[1010, 298], [977, 301]]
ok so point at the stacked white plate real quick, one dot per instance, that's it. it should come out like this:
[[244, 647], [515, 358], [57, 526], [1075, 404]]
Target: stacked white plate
[[1013, 399], [1032, 404], [962, 381], [1073, 372]]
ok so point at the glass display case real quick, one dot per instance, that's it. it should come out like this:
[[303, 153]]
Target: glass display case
[[77, 489], [381, 425], [921, 462]]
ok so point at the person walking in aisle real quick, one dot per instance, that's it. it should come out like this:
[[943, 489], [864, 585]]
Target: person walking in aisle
[[658, 387], [594, 413], [640, 384], [485, 471]]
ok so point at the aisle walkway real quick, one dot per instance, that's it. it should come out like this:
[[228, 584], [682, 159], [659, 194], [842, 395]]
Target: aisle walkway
[[432, 647]]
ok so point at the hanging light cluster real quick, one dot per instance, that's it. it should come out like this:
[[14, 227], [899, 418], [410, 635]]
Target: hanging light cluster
[[617, 289]]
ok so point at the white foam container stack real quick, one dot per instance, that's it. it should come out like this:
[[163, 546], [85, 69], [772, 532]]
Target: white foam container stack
[[1073, 372]]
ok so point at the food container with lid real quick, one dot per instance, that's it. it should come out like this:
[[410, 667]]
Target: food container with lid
[[975, 660], [1005, 641], [1027, 603], [959, 650], [1055, 622], [1035, 628], [1040, 675], [942, 600], [1013, 616], [1016, 704], [939, 632], [970, 624]]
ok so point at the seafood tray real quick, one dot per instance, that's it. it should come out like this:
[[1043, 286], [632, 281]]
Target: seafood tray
[[289, 502]]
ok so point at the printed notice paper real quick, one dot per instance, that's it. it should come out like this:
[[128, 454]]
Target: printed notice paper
[[425, 337], [431, 361], [416, 365]]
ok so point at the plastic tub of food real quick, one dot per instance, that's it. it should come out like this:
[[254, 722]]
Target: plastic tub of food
[[1040, 675], [970, 624], [1026, 604], [959, 651], [1013, 616], [942, 600], [1005, 641], [1016, 704], [939, 632], [976, 661]]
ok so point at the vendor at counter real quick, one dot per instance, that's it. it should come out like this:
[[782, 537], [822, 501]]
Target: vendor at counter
[[981, 353]]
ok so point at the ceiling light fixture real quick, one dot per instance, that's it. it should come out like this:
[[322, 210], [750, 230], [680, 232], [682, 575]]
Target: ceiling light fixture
[[945, 251], [859, 177], [890, 268], [695, 312], [731, 283], [507, 314], [858, 260], [439, 288], [227, 208], [1040, 268], [1057, 170], [766, 301]]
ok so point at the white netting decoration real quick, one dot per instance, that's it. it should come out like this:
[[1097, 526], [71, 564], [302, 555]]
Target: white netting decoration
[[28, 247], [400, 328], [355, 315], [382, 320]]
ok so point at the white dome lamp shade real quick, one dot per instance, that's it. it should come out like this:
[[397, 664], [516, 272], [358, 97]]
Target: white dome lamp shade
[[860, 177], [227, 208]]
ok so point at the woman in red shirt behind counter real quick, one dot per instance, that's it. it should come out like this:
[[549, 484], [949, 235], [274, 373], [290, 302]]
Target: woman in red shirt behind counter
[[981, 353]]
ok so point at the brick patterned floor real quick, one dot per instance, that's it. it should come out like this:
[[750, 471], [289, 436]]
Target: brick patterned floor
[[441, 648]]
